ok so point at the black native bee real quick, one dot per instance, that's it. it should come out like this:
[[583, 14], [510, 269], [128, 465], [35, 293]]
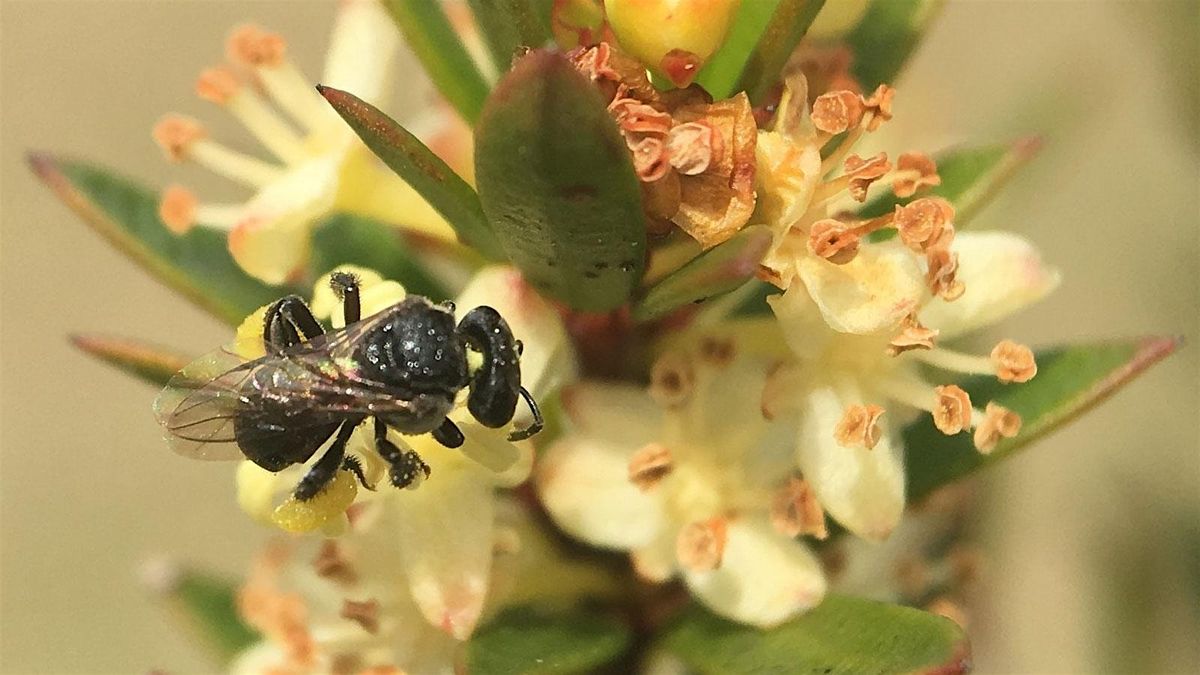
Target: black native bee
[[402, 368]]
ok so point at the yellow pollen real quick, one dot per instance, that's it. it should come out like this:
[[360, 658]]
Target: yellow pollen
[[796, 511], [176, 134], [217, 85], [834, 241], [952, 412], [859, 426], [701, 545], [1014, 362], [252, 46], [998, 422], [649, 466], [177, 209], [365, 614]]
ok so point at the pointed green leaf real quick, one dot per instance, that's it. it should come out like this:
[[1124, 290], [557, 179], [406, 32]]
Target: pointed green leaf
[[971, 177], [147, 362], [775, 45], [721, 72], [205, 606], [558, 186], [841, 636], [196, 264], [1070, 380], [432, 178], [715, 272], [346, 239], [886, 37], [509, 25], [429, 34], [526, 640]]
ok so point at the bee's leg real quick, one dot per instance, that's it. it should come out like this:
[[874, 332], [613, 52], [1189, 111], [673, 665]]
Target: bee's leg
[[448, 435], [354, 466], [326, 468], [287, 323], [407, 468], [345, 286], [538, 422]]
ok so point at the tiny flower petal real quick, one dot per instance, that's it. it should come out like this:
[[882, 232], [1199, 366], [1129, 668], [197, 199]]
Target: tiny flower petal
[[360, 50], [764, 578], [624, 414], [873, 292]]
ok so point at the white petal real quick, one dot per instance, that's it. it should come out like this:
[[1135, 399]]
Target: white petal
[[360, 50], [489, 447], [547, 361], [862, 489], [764, 578], [620, 413], [873, 292], [584, 483], [801, 322], [444, 532], [1002, 273], [656, 561]]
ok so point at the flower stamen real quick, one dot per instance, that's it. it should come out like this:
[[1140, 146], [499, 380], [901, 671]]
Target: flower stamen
[[859, 426], [912, 336], [650, 465], [1013, 362], [796, 511], [183, 138], [700, 545], [997, 422], [219, 85], [266, 54], [952, 412], [365, 614], [179, 210]]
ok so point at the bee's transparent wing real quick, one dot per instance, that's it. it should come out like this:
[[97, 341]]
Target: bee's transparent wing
[[198, 405]]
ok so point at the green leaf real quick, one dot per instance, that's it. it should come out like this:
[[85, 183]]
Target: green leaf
[[526, 640], [557, 184], [428, 33], [147, 362], [840, 636], [432, 178], [196, 264], [715, 272], [971, 177], [886, 37], [720, 73], [1070, 380], [775, 45], [509, 25], [206, 606], [346, 239]]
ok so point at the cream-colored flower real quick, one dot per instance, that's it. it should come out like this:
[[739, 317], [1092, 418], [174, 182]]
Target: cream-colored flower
[[317, 164], [691, 480], [445, 523]]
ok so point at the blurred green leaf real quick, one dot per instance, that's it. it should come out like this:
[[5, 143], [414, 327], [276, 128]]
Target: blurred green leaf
[[429, 34], [886, 37], [197, 264], [206, 606], [508, 25], [720, 73], [147, 362], [1070, 381], [526, 640], [717, 271], [558, 186], [775, 45], [346, 239], [432, 178], [840, 636], [971, 177]]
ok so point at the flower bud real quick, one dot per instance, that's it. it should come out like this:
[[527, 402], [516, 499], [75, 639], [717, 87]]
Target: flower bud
[[673, 37]]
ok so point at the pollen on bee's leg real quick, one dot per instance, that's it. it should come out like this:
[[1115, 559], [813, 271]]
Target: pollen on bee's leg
[[365, 614], [1014, 362], [266, 53], [700, 545], [997, 422], [221, 86], [859, 426], [952, 412], [649, 466], [796, 511], [294, 515]]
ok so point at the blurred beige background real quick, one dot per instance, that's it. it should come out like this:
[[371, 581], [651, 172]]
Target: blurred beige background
[[1093, 538]]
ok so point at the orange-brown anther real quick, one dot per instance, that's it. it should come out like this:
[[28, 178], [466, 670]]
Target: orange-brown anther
[[717, 352], [952, 411], [672, 380], [177, 209], [916, 170], [880, 103], [859, 426], [912, 335], [833, 240], [924, 223], [837, 111], [1014, 362], [649, 466], [331, 563], [217, 85], [863, 172], [175, 134], [365, 614], [650, 160], [796, 511], [942, 276], [636, 117], [701, 545], [282, 617], [253, 46], [998, 422], [693, 146]]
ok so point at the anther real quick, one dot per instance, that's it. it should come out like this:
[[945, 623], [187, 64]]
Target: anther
[[692, 147], [942, 276], [837, 111], [834, 241], [924, 223], [859, 426], [649, 466], [331, 563], [998, 422], [796, 511], [1014, 362], [879, 103], [952, 411], [912, 336], [862, 172], [177, 209], [365, 614], [915, 170], [176, 135], [700, 545], [217, 85], [672, 380], [252, 46]]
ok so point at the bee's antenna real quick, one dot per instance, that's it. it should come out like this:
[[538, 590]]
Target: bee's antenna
[[538, 422]]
